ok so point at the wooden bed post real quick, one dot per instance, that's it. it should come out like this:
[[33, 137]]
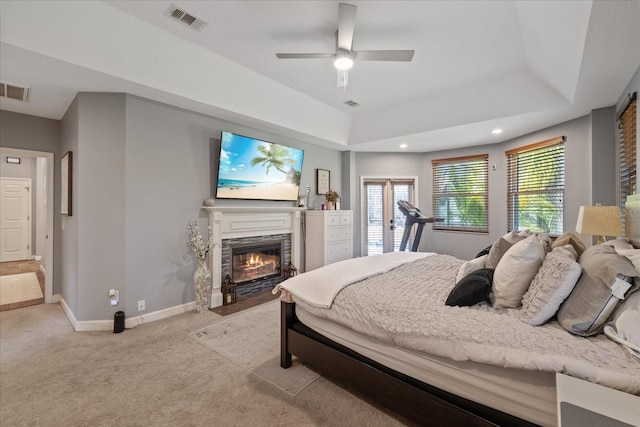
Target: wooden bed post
[[286, 321]]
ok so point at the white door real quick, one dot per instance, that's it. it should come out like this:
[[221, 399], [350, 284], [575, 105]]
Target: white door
[[383, 225], [15, 219]]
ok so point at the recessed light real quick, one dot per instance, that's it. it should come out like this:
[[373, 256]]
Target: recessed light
[[496, 131], [403, 145]]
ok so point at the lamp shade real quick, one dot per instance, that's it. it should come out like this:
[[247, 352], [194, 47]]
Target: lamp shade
[[600, 221]]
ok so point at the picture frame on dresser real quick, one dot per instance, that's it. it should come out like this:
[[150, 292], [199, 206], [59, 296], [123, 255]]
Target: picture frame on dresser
[[323, 181]]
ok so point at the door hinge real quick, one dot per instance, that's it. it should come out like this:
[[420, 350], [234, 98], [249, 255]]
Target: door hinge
[[26, 188]]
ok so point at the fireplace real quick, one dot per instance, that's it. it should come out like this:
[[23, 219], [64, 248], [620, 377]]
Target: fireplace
[[251, 262], [255, 263], [239, 225]]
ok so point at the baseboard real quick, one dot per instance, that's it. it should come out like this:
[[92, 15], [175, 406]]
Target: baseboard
[[130, 322], [36, 257], [68, 312]]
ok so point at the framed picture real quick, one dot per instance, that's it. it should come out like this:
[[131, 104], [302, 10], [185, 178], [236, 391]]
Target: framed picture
[[66, 170], [323, 180]]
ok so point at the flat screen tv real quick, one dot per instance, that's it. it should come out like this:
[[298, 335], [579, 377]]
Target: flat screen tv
[[258, 170]]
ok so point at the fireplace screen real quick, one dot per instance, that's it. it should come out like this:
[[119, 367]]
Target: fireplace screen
[[249, 264]]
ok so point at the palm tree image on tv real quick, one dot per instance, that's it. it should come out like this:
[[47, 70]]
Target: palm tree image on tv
[[253, 169], [277, 156]]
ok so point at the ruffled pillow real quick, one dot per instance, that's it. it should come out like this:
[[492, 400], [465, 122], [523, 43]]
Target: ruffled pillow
[[552, 284]]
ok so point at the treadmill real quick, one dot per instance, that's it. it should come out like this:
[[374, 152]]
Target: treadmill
[[413, 216]]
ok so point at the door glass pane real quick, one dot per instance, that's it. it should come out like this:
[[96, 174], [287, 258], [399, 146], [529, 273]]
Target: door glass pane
[[375, 218], [401, 192]]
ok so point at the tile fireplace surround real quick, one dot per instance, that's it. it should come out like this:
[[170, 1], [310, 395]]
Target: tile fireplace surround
[[232, 222]]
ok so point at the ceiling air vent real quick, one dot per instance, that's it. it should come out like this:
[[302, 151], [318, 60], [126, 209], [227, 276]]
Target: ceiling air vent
[[352, 103], [13, 91], [185, 18]]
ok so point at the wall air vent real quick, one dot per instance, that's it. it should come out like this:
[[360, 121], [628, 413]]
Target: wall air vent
[[14, 91], [185, 18], [352, 103]]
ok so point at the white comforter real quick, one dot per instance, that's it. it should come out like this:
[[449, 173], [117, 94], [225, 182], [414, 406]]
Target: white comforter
[[405, 307], [313, 287]]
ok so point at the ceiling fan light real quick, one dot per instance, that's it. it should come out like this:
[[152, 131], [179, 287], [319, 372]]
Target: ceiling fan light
[[343, 61]]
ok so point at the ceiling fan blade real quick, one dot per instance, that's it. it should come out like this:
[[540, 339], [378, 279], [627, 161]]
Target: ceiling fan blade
[[383, 55], [304, 55], [346, 25]]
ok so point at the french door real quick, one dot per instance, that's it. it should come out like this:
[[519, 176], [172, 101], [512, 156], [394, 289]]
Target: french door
[[383, 223]]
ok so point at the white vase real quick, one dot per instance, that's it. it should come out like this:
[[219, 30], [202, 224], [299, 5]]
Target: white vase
[[202, 286]]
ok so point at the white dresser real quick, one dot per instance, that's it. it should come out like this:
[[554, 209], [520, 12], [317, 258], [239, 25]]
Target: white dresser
[[328, 238]]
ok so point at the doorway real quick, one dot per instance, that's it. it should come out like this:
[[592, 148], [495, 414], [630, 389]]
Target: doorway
[[43, 215], [382, 222]]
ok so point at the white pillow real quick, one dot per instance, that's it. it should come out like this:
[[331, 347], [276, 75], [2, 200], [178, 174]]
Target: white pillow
[[625, 325], [470, 266], [552, 284], [515, 236], [516, 270]]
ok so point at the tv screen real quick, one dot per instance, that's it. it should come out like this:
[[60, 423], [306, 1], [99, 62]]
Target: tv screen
[[253, 169]]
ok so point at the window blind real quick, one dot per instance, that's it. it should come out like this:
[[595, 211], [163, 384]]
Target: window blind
[[461, 193], [535, 187], [627, 151]]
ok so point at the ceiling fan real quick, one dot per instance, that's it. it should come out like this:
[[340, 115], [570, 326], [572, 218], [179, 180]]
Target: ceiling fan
[[344, 56]]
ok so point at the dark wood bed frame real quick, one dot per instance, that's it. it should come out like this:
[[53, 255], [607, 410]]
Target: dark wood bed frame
[[408, 397]]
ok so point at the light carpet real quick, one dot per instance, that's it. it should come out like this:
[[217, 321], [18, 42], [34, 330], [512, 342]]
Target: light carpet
[[251, 339], [19, 287]]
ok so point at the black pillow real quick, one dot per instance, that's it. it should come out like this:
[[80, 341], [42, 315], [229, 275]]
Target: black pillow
[[485, 251], [472, 289]]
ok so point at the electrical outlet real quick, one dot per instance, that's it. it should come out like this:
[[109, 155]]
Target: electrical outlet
[[140, 305], [114, 297]]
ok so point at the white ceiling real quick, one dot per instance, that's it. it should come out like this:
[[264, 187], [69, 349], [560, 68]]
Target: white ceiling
[[519, 66]]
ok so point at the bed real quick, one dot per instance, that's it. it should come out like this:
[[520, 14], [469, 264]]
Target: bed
[[388, 334]]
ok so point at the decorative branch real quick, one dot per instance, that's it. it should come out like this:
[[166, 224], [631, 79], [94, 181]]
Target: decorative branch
[[197, 243]]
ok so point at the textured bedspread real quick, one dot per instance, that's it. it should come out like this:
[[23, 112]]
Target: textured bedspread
[[406, 307]]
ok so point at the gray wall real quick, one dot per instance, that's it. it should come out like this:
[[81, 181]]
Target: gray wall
[[466, 245], [604, 154], [141, 172], [99, 203], [67, 247]]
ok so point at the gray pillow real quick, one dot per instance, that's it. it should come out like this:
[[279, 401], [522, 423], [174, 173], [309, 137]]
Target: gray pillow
[[498, 249], [592, 301]]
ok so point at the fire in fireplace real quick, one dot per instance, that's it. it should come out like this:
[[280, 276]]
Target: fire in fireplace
[[255, 262]]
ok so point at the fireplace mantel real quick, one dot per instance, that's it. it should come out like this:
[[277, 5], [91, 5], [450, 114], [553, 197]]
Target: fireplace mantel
[[230, 222]]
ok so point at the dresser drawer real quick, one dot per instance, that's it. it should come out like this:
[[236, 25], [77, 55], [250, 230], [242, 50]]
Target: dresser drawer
[[338, 251], [338, 219], [338, 234]]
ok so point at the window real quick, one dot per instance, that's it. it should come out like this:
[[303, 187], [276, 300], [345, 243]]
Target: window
[[535, 187], [384, 224], [627, 150], [461, 193]]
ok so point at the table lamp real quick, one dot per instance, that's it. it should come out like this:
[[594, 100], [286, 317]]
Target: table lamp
[[600, 221]]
